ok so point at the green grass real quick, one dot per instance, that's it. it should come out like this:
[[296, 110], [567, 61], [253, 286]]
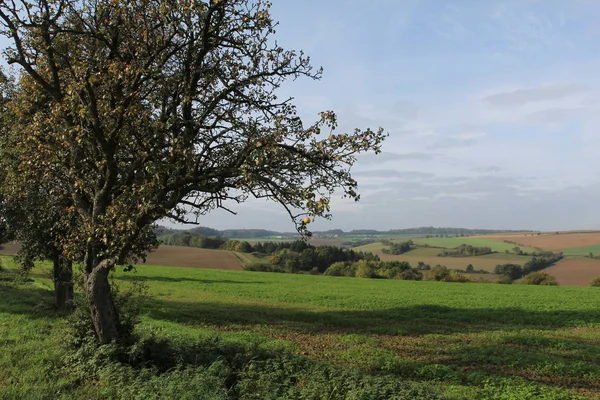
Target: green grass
[[472, 341], [583, 251]]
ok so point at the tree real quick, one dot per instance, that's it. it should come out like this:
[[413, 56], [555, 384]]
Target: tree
[[153, 109]]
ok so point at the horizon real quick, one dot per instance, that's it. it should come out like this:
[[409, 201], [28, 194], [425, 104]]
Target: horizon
[[491, 108]]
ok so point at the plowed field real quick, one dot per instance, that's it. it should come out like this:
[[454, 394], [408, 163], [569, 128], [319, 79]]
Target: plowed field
[[192, 257], [552, 242], [575, 271]]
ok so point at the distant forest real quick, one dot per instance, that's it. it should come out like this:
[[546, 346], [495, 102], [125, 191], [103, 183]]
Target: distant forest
[[261, 233]]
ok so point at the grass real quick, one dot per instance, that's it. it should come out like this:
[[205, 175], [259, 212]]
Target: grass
[[583, 251], [471, 341]]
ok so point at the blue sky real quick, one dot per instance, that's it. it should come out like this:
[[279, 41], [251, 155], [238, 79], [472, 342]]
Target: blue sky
[[493, 110]]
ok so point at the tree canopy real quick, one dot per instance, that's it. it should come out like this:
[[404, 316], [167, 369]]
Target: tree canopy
[[144, 109]]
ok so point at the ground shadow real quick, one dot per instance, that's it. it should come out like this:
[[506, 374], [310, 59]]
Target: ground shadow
[[26, 299], [176, 280], [410, 320]]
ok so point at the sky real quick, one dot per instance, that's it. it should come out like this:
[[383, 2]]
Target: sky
[[492, 109]]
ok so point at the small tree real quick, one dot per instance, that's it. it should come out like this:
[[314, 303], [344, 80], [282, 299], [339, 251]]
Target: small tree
[[595, 281], [469, 268], [153, 109], [539, 278]]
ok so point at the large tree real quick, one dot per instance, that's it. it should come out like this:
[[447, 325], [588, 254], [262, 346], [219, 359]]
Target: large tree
[[148, 109]]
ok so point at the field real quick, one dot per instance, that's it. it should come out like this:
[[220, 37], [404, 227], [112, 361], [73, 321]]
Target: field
[[193, 257], [575, 271], [429, 256], [552, 241], [470, 341], [495, 245]]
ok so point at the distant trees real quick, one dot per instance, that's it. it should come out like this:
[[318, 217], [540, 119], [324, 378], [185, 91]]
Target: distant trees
[[397, 247], [537, 263], [465, 250]]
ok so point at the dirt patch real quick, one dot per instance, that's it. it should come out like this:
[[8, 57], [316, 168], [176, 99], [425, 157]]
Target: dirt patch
[[575, 271], [191, 257], [552, 241]]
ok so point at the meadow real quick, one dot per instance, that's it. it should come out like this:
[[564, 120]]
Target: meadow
[[416, 339]]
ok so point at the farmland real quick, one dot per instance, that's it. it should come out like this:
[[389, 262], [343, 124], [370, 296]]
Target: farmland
[[429, 255], [468, 341], [553, 241], [575, 271]]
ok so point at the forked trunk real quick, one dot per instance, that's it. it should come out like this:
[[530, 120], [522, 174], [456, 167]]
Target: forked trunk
[[63, 284], [102, 306]]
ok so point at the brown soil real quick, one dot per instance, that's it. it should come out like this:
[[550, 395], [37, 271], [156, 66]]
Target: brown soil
[[575, 271], [552, 241], [173, 256], [180, 256], [10, 249]]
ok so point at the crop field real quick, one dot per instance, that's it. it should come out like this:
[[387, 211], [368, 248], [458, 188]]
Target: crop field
[[469, 341], [554, 242], [193, 257], [572, 271], [583, 251]]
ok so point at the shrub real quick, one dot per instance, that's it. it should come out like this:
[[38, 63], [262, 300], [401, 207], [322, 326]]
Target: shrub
[[505, 280], [539, 278], [595, 281], [437, 273], [341, 269], [365, 270], [410, 275]]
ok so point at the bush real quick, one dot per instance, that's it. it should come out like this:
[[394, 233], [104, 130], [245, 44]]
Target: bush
[[410, 275], [539, 278], [365, 270], [505, 280], [595, 281], [437, 273], [341, 269]]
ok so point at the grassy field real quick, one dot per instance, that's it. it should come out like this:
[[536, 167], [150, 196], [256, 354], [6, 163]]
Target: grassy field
[[583, 251], [471, 341]]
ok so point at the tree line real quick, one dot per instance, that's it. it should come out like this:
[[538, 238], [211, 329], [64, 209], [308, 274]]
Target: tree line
[[465, 250], [540, 261]]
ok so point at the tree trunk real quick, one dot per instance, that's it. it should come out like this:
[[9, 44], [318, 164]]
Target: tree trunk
[[102, 306], [63, 284]]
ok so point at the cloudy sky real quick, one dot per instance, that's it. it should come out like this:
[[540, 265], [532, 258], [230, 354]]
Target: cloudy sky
[[493, 110]]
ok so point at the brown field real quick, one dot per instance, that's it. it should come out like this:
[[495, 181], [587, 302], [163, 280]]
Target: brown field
[[173, 256], [192, 257], [551, 241], [575, 271], [10, 249]]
